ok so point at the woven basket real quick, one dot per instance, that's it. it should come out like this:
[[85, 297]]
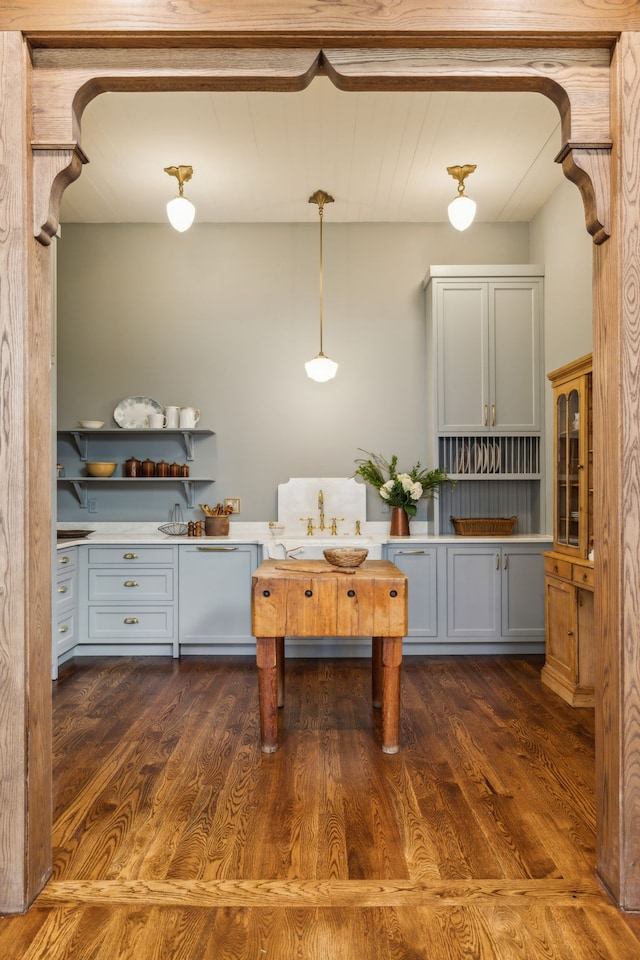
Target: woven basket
[[483, 526], [345, 556]]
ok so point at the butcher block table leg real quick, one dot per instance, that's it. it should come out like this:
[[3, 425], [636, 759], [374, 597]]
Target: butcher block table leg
[[391, 660], [280, 669], [267, 662], [376, 671]]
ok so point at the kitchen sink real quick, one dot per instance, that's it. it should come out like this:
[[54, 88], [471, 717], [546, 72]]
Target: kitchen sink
[[310, 548]]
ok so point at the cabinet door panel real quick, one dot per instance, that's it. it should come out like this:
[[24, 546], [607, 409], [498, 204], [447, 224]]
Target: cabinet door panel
[[522, 593], [515, 348], [420, 566], [560, 603], [215, 594], [473, 592], [463, 361]]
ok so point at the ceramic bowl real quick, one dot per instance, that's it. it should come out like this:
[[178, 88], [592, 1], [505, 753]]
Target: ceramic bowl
[[345, 556], [91, 424], [101, 469]]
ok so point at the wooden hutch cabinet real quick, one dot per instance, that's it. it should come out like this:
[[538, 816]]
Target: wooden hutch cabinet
[[569, 660]]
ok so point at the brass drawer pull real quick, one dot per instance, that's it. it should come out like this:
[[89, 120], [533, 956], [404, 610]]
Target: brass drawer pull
[[131, 620], [130, 556], [217, 549], [63, 629], [63, 559], [131, 583], [62, 589], [410, 553]]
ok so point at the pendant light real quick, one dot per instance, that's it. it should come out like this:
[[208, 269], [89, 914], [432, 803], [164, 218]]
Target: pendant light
[[462, 209], [321, 368], [180, 211]]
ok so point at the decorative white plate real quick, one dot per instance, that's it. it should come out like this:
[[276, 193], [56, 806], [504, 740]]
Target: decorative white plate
[[132, 412]]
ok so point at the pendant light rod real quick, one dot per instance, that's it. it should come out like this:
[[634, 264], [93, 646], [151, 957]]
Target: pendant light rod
[[320, 197]]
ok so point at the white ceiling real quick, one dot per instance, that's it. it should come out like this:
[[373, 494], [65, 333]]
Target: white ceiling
[[257, 157]]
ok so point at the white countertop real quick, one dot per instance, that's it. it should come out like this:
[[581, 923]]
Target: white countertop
[[258, 533]]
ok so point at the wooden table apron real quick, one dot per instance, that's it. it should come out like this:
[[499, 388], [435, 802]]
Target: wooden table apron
[[311, 599]]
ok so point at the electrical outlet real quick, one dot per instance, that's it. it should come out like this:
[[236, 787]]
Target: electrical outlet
[[93, 505], [232, 504]]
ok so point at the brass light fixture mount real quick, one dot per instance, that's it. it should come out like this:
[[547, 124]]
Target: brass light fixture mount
[[321, 368], [460, 173], [183, 173]]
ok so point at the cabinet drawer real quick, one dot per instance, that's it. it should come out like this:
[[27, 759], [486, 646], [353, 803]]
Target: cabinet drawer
[[65, 590], [583, 576], [65, 632], [66, 560], [129, 622], [558, 568], [135, 556], [130, 586]]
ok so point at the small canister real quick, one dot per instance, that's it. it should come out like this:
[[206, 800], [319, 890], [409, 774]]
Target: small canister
[[148, 468], [174, 470], [184, 470], [162, 468], [132, 467]]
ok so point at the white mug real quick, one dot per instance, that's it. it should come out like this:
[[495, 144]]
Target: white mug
[[157, 421], [189, 416], [173, 415]]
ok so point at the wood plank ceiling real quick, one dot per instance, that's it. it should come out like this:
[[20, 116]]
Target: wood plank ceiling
[[258, 156]]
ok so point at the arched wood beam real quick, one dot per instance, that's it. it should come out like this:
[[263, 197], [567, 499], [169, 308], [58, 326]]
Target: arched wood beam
[[65, 81], [576, 80]]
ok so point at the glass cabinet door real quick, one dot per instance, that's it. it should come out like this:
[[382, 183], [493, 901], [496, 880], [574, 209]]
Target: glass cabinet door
[[571, 508]]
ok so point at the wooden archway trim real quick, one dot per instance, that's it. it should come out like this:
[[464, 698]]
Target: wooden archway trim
[[576, 80]]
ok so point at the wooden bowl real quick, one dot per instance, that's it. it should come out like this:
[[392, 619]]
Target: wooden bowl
[[97, 468], [345, 556]]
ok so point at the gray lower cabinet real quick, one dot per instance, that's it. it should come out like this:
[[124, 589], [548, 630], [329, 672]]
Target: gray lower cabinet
[[215, 598], [131, 600], [65, 606], [473, 597], [496, 593]]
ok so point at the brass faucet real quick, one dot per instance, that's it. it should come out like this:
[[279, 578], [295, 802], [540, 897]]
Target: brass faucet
[[309, 520], [357, 528]]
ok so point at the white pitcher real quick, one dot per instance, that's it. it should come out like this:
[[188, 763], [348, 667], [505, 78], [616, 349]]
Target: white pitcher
[[173, 417], [189, 416]]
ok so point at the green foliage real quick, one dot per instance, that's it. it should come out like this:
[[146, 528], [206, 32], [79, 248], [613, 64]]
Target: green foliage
[[400, 489]]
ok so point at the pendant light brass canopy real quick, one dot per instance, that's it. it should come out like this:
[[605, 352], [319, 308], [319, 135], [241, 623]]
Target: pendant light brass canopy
[[321, 368], [180, 211], [462, 209]]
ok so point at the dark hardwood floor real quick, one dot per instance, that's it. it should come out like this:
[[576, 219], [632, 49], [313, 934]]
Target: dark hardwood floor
[[175, 837]]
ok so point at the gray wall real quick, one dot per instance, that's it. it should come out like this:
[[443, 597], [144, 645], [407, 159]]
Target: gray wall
[[559, 239], [224, 317]]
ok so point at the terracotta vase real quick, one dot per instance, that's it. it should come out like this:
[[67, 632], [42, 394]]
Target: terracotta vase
[[399, 522]]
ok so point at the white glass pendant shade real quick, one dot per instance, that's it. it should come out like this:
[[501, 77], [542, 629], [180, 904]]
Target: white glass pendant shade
[[181, 213], [461, 212], [321, 368]]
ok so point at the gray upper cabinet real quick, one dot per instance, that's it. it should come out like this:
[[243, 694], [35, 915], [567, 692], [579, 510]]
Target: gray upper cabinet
[[486, 328]]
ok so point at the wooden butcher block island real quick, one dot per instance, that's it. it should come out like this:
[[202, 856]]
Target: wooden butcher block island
[[295, 598]]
